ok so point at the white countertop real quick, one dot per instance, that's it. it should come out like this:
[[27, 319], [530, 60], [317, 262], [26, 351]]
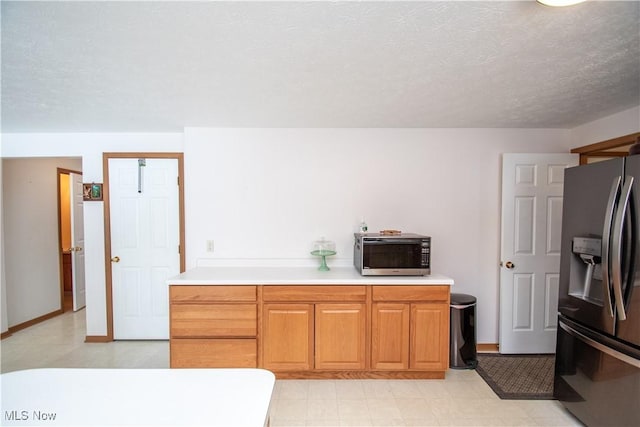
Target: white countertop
[[296, 276], [136, 397]]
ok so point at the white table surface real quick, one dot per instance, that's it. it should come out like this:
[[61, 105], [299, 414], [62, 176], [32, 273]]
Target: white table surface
[[136, 397], [296, 276]]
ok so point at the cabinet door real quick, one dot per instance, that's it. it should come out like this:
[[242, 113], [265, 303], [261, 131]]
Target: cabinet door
[[390, 336], [287, 337], [340, 336], [429, 336]]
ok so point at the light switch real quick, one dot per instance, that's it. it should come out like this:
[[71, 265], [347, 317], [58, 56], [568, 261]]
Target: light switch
[[209, 245]]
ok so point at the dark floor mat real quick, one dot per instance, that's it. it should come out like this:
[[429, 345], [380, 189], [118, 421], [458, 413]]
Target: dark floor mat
[[510, 376]]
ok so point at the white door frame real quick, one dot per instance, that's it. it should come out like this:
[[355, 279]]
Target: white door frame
[[107, 220]]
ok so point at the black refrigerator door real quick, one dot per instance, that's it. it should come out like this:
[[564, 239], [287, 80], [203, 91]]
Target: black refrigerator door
[[628, 330], [596, 379], [585, 293]]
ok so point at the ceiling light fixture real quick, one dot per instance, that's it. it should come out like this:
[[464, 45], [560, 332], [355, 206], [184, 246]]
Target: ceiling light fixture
[[560, 3]]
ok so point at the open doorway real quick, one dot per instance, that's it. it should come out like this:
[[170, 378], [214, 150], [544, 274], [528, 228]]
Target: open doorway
[[30, 211], [71, 239]]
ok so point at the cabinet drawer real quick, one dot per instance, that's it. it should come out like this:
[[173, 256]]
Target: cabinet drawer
[[213, 353], [195, 294], [213, 320], [314, 293], [411, 293]]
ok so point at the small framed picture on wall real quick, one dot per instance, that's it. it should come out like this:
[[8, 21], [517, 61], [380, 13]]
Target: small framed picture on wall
[[92, 192]]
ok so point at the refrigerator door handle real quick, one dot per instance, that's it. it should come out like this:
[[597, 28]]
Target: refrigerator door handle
[[606, 237], [599, 346], [616, 247]]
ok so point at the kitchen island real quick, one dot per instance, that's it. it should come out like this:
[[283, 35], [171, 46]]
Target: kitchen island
[[303, 323]]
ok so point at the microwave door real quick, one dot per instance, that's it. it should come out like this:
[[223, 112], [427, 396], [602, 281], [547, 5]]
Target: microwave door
[[392, 253]]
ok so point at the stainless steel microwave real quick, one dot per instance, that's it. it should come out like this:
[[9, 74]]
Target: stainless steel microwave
[[403, 254]]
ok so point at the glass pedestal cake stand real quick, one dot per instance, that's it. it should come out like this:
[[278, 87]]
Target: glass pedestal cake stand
[[323, 253], [323, 249]]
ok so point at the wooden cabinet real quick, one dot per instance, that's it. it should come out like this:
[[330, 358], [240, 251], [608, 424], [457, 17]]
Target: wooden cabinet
[[213, 353], [213, 320], [429, 348], [313, 331], [340, 336], [213, 326], [67, 272], [390, 336], [410, 335], [288, 337], [302, 337], [300, 333]]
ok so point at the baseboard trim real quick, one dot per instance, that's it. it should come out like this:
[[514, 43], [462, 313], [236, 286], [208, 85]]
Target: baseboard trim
[[5, 334], [352, 375], [97, 339], [488, 348], [24, 325]]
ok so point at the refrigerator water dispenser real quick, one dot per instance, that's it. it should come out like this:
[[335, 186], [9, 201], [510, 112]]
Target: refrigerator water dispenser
[[586, 269]]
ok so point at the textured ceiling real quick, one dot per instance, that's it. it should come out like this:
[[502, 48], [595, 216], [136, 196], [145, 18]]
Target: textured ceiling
[[162, 66]]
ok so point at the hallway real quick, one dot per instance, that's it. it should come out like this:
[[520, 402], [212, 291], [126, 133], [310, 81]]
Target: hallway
[[59, 343]]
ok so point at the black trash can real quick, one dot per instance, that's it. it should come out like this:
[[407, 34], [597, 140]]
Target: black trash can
[[462, 335]]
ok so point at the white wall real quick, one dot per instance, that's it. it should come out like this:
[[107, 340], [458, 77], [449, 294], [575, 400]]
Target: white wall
[[89, 147], [32, 265], [269, 193], [322, 182], [620, 124]]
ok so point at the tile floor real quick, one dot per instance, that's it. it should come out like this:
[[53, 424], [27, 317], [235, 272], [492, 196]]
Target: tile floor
[[462, 399]]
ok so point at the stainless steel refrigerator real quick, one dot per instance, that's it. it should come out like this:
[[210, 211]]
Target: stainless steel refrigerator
[[597, 372]]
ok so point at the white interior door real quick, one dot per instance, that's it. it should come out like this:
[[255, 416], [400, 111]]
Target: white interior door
[[532, 186], [145, 238], [77, 242]]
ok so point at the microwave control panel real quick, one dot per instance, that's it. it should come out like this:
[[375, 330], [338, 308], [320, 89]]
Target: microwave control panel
[[426, 253]]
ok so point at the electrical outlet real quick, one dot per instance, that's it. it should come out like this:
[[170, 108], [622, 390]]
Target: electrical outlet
[[209, 245]]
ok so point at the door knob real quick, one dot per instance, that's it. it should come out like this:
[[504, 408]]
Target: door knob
[[115, 259], [77, 248], [509, 265]]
